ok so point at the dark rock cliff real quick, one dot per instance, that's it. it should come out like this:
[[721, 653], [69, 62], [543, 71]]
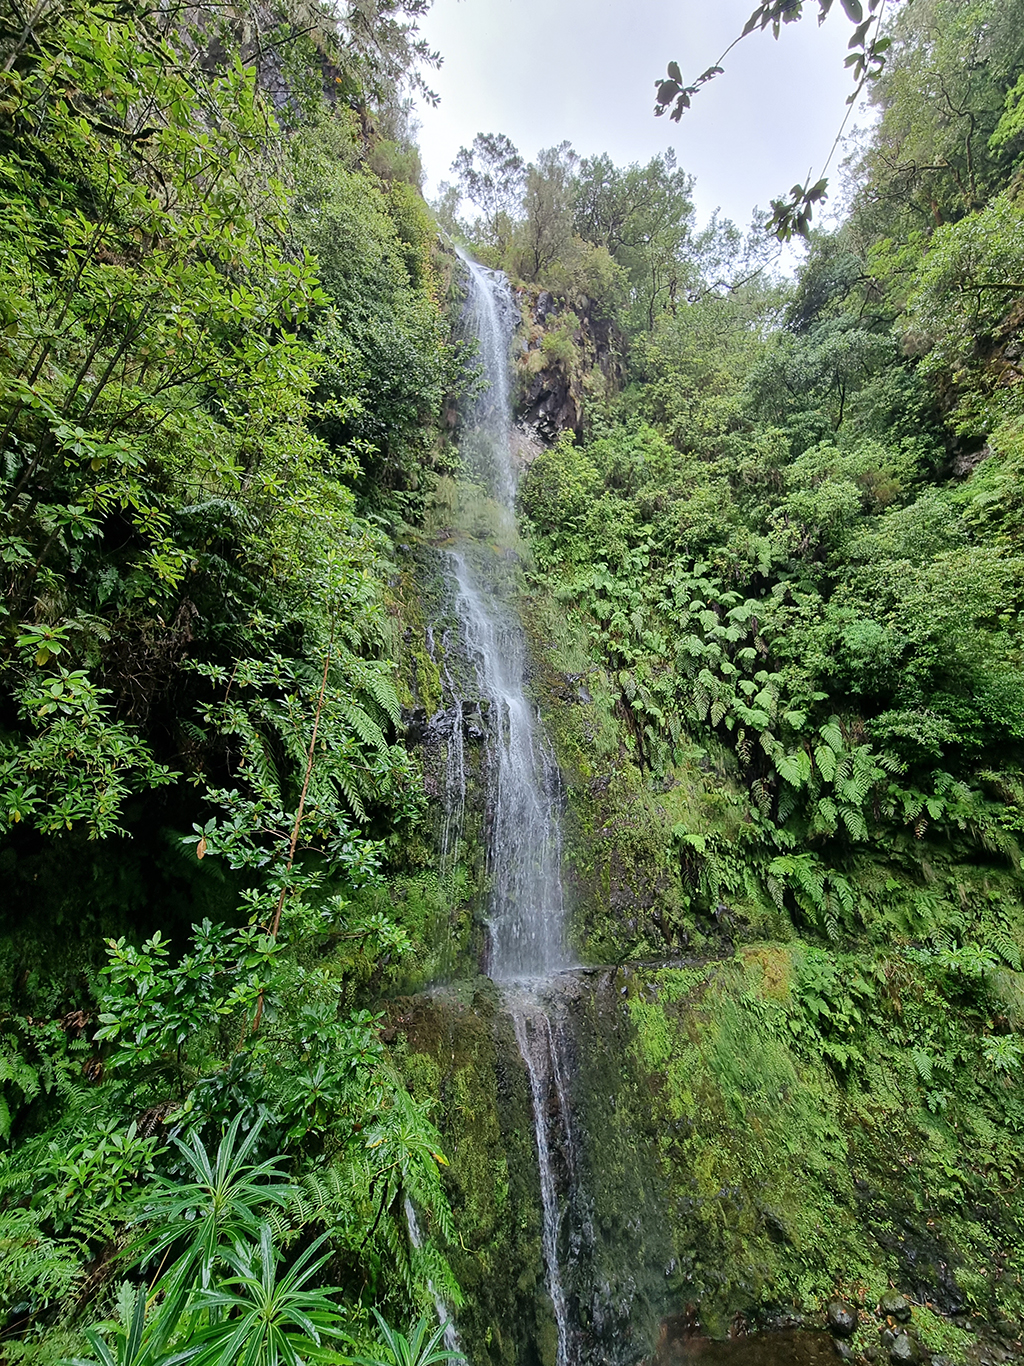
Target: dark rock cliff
[[571, 355]]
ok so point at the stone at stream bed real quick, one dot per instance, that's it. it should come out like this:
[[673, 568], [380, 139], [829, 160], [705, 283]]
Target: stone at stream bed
[[842, 1318], [843, 1349], [903, 1352], [893, 1305]]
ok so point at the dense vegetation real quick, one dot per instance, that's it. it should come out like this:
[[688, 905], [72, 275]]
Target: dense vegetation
[[224, 345], [776, 572], [775, 569]]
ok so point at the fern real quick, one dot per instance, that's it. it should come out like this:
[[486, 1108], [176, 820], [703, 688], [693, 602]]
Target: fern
[[831, 732], [31, 1259], [1005, 946], [365, 728], [381, 688], [351, 795], [855, 823], [923, 1065], [826, 760]]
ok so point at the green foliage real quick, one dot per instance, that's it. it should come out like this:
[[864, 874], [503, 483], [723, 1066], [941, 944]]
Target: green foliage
[[260, 1319], [782, 574], [219, 1202], [196, 413], [421, 1348], [782, 1077]]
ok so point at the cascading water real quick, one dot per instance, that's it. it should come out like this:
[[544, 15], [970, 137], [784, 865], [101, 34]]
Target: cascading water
[[533, 1035], [526, 939], [526, 920], [451, 1336]]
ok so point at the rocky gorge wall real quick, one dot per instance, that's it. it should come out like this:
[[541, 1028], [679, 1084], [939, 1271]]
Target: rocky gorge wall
[[568, 356]]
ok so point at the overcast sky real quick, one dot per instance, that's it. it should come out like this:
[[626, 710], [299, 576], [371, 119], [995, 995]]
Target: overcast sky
[[546, 70]]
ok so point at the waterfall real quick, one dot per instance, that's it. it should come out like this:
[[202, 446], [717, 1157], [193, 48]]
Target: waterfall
[[524, 848], [538, 1061], [451, 1336], [526, 931]]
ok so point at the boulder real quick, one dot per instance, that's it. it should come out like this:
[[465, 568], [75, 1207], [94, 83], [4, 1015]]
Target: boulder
[[842, 1318], [893, 1305], [903, 1352]]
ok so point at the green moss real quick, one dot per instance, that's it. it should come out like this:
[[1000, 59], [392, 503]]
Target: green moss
[[409, 597]]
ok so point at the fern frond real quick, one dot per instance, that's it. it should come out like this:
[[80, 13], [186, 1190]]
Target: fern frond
[[831, 732], [854, 821], [381, 688], [1005, 946], [923, 1065], [352, 797], [366, 729]]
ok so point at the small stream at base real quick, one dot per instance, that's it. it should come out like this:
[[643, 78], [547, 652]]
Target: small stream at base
[[786, 1347]]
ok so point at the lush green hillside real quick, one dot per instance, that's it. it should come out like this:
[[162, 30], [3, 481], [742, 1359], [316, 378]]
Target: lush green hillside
[[772, 569], [225, 348], [775, 580]]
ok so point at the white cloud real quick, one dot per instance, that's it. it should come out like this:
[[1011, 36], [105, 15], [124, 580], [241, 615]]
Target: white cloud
[[544, 70]]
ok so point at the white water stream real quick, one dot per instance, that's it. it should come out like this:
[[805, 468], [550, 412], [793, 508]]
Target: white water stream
[[451, 1335], [526, 941]]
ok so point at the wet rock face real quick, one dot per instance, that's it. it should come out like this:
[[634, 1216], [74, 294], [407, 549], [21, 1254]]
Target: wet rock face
[[926, 1263], [550, 405], [842, 1318], [553, 391]]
